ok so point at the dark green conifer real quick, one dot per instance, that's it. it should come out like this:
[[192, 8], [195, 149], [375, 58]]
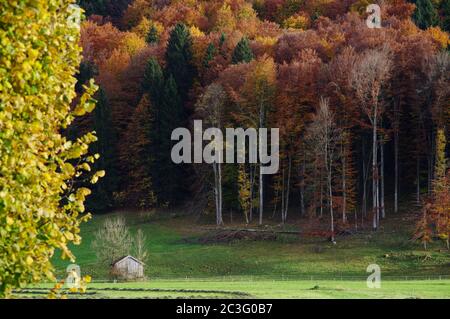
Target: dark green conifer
[[425, 15], [152, 35], [209, 55], [102, 196], [179, 60], [243, 52]]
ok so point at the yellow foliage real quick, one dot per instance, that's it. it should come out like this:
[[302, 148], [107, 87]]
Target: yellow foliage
[[39, 60], [266, 41], [144, 27], [244, 191], [132, 43], [408, 28], [195, 32], [225, 20], [441, 37], [297, 21], [360, 6]]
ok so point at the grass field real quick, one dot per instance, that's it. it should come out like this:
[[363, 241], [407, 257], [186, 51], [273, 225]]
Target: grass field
[[291, 266], [245, 288]]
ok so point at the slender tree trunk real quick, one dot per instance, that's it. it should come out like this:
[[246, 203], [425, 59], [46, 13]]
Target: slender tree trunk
[[396, 136], [374, 171], [330, 193], [383, 210], [431, 163], [378, 197], [331, 207], [261, 196], [321, 194], [261, 176], [286, 208], [219, 177], [282, 195], [344, 190], [252, 185], [418, 180], [216, 194], [302, 186], [302, 202], [364, 199], [430, 172], [275, 206]]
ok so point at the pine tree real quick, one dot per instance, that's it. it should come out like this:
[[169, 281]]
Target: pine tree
[[167, 177], [153, 80], [209, 55], [179, 60], [445, 9], [242, 53], [222, 40], [102, 193], [152, 35], [165, 115], [425, 15]]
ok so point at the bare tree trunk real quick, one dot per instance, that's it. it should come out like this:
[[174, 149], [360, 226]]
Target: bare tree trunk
[[217, 194], [364, 198], [344, 190], [396, 136], [216, 202], [219, 177], [321, 194], [431, 164], [275, 206], [282, 195], [331, 206], [261, 176], [330, 193], [383, 211], [252, 185], [378, 196], [429, 178], [286, 207], [302, 186], [418, 180], [261, 196], [374, 171], [396, 151]]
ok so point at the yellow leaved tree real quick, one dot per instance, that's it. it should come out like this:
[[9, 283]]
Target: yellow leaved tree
[[41, 208]]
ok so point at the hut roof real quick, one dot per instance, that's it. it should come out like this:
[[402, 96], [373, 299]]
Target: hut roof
[[125, 257]]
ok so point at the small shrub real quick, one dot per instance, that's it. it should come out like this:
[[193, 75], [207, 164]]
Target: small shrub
[[112, 241]]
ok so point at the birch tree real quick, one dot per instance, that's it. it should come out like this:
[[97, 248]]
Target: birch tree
[[324, 135], [211, 107], [369, 75]]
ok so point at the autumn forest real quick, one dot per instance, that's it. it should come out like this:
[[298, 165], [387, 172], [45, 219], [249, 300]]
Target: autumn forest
[[363, 112]]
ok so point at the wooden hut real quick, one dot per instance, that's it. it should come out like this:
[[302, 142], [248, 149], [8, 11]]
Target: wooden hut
[[128, 268]]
